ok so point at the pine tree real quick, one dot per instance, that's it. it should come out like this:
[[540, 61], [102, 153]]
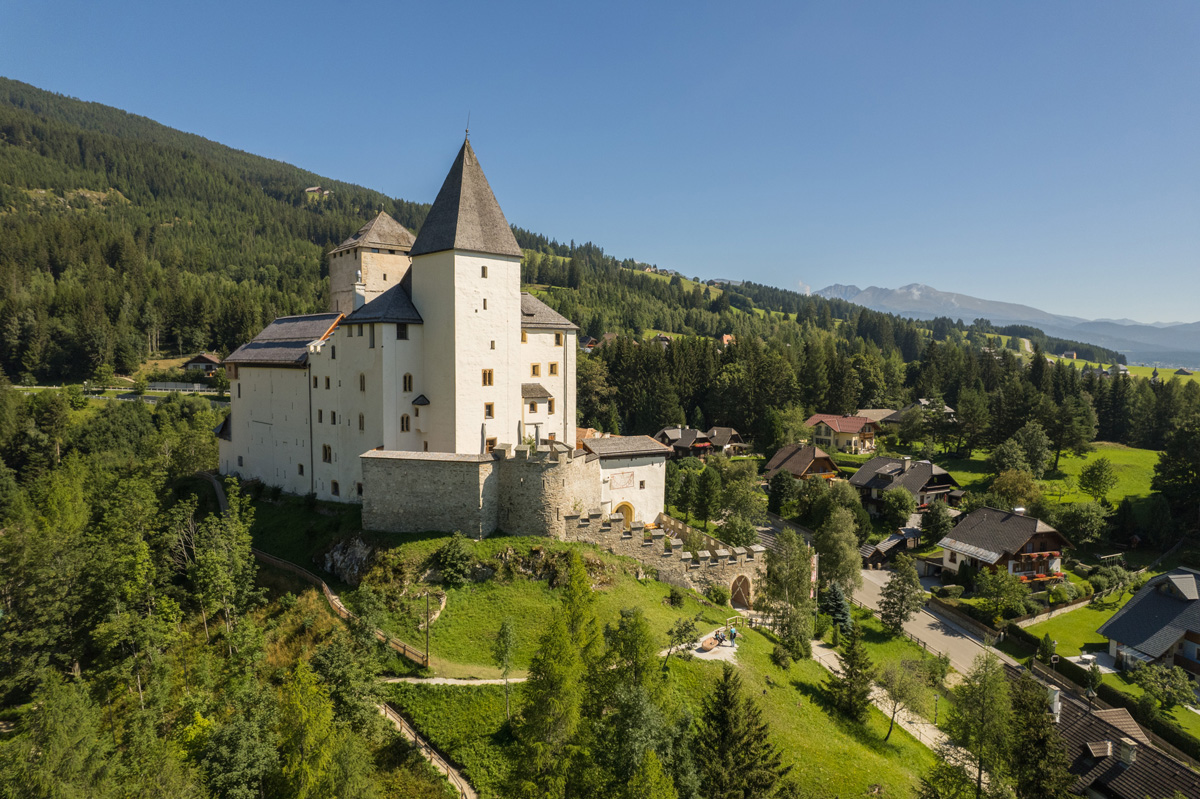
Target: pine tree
[[733, 745], [850, 688], [834, 605], [1038, 758], [902, 596], [650, 781]]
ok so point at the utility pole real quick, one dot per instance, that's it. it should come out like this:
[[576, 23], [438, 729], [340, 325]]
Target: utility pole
[[426, 629]]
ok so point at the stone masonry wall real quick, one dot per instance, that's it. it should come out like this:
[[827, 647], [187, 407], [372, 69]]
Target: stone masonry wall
[[537, 491], [409, 492], [649, 547]]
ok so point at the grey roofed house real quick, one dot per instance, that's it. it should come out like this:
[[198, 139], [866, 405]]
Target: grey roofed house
[[1162, 620], [393, 305], [726, 439], [684, 440], [875, 414], [922, 404], [465, 214], [883, 551], [926, 481], [988, 534], [382, 232], [624, 447], [1181, 371], [537, 314], [285, 341]]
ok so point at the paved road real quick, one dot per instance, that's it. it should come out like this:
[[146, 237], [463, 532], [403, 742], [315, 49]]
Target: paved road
[[937, 634]]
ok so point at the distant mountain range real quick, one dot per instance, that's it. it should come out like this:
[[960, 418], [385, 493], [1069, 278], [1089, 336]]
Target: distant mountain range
[[1169, 344]]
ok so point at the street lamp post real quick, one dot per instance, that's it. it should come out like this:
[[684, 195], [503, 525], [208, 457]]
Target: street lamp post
[[936, 699]]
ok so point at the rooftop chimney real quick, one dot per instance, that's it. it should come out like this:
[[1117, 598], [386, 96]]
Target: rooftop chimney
[[1127, 751], [1055, 696], [1019, 511], [907, 463]]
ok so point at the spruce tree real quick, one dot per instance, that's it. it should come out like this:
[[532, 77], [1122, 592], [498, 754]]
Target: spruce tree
[[1038, 758], [733, 744], [850, 688], [650, 781], [902, 596], [834, 605]]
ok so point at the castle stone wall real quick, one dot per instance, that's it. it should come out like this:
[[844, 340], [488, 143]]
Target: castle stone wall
[[537, 491], [409, 492]]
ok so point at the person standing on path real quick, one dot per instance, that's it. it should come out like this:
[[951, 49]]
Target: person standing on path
[[732, 636]]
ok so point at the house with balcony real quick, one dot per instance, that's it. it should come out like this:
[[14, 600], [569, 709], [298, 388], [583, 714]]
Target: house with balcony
[[987, 538], [1160, 624], [926, 481], [803, 461], [852, 434]]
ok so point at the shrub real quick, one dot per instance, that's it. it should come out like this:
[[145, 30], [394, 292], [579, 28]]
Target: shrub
[[675, 597], [717, 594], [1087, 588], [781, 657], [935, 670], [310, 501], [1033, 607], [453, 560], [1059, 594], [1082, 569], [950, 591], [273, 493], [821, 626], [1099, 582]]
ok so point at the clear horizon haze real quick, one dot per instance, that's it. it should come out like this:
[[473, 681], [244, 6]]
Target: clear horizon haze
[[1043, 154]]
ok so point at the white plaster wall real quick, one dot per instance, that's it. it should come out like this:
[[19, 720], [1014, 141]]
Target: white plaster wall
[[433, 296], [269, 427], [647, 502], [539, 348]]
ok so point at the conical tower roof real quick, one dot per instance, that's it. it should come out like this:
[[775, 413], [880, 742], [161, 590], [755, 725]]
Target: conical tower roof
[[465, 215], [382, 231]]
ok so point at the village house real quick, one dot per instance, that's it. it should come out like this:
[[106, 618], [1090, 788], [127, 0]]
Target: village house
[[987, 538], [634, 475], [208, 364], [852, 434], [803, 461], [923, 404], [926, 481], [435, 392], [875, 414], [1160, 624]]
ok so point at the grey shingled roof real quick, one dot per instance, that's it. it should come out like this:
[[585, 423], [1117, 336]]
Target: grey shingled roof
[[465, 215], [987, 533], [1154, 619], [285, 341], [797, 459], [534, 391], [393, 305], [382, 232], [876, 472], [721, 436], [537, 314], [624, 446]]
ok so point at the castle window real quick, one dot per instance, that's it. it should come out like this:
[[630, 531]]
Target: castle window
[[300, 468], [327, 453], [426, 446], [401, 332], [524, 336], [484, 271], [553, 369], [360, 331], [239, 460], [390, 252], [320, 415], [550, 405], [417, 411], [362, 382], [489, 410], [535, 370], [371, 333], [314, 381], [404, 423], [362, 423], [239, 390], [349, 332], [408, 382], [485, 304], [327, 384], [642, 484], [553, 436], [533, 407], [558, 339], [358, 488], [333, 417], [493, 343], [490, 444], [334, 489], [333, 353], [489, 377]]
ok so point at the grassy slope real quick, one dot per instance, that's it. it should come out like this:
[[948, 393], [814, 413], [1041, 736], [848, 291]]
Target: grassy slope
[[1136, 371], [830, 757]]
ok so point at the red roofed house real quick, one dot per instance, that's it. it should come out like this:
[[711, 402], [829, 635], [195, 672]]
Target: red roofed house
[[853, 434]]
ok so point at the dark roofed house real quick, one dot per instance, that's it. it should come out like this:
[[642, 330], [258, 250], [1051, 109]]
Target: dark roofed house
[[726, 440], [1160, 624], [853, 434], [203, 363], [803, 461], [876, 555], [684, 441], [920, 405], [927, 482], [1182, 372], [988, 538]]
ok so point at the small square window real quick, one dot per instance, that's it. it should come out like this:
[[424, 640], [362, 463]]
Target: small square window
[[535, 370], [550, 406], [553, 369], [558, 339], [642, 484], [489, 410], [490, 444], [401, 332], [533, 407], [300, 469], [239, 460], [334, 489]]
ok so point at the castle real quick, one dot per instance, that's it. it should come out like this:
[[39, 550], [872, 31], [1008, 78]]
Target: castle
[[434, 392]]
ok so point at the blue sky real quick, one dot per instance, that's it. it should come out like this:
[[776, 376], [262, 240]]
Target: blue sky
[[1023, 151]]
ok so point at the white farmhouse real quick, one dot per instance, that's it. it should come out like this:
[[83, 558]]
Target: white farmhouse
[[430, 378]]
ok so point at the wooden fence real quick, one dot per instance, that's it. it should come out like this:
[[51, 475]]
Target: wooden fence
[[335, 602], [428, 752]]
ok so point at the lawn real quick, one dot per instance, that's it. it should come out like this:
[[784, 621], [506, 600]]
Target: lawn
[[829, 756], [1134, 469], [1165, 373]]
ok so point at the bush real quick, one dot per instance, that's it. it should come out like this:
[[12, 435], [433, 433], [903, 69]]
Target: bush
[[1087, 588], [1033, 607], [273, 493], [1060, 594], [821, 626], [717, 594], [781, 657], [454, 560], [1082, 569], [675, 597], [950, 591], [1099, 583]]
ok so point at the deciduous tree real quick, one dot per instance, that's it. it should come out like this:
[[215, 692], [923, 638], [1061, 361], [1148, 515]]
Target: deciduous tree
[[1098, 478]]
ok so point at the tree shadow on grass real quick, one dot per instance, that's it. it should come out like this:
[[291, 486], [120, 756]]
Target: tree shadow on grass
[[818, 697]]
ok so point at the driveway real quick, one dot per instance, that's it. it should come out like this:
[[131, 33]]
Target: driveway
[[936, 634]]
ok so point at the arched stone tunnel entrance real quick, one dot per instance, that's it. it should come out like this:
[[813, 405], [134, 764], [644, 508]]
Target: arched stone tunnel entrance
[[739, 592]]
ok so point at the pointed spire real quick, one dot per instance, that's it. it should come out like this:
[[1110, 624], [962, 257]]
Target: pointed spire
[[465, 215]]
